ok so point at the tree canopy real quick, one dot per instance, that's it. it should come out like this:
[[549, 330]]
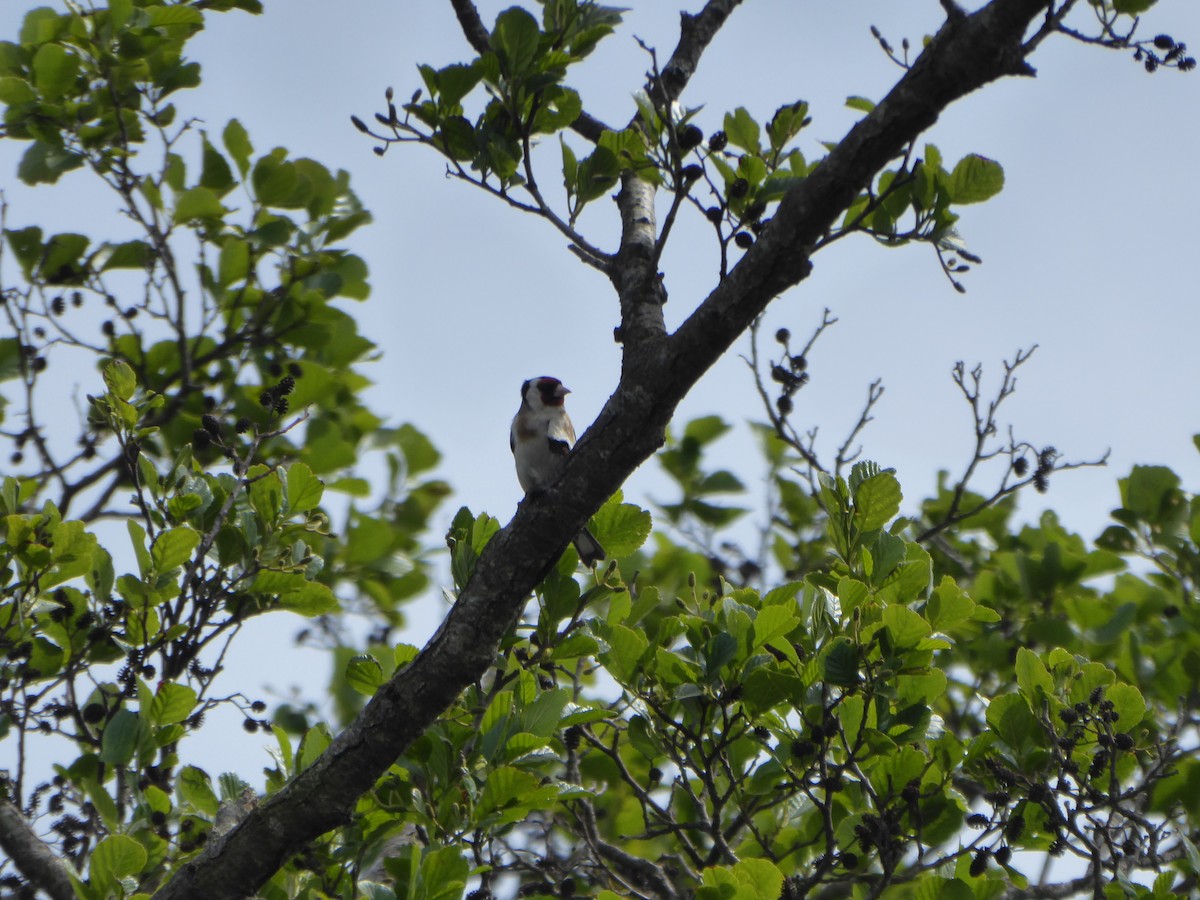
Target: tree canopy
[[882, 699]]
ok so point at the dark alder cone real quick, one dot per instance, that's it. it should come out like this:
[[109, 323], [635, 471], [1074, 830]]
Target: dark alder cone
[[211, 424], [744, 239], [803, 748], [267, 399], [849, 860], [1003, 855], [1020, 466], [242, 426], [717, 141], [979, 863], [783, 335], [258, 706], [691, 173], [295, 370], [286, 385], [250, 725], [93, 713], [978, 820], [58, 305], [1164, 42], [690, 137], [1123, 741], [714, 214], [755, 210], [739, 188], [108, 328], [201, 439], [1015, 828], [76, 299]]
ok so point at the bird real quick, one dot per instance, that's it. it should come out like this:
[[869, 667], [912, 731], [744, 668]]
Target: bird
[[541, 438]]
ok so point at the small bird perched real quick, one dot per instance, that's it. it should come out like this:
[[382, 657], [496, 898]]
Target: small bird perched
[[541, 437]]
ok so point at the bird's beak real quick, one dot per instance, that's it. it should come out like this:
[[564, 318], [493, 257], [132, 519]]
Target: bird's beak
[[562, 390]]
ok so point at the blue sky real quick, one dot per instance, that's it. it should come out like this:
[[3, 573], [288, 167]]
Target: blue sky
[[1089, 251]]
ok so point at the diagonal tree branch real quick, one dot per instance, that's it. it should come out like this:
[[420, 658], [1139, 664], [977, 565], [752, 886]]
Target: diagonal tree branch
[[968, 52], [33, 858]]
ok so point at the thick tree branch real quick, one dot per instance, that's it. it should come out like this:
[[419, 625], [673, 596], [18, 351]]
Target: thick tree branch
[[967, 53], [695, 34], [33, 858], [635, 276]]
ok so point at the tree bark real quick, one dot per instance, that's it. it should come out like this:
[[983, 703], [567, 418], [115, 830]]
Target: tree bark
[[31, 855], [659, 369]]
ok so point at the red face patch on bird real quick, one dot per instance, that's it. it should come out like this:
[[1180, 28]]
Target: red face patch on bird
[[551, 390]]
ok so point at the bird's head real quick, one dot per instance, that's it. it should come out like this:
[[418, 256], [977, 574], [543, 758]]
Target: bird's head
[[543, 391]]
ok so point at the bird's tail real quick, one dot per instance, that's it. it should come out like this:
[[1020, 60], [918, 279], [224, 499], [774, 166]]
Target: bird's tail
[[589, 549]]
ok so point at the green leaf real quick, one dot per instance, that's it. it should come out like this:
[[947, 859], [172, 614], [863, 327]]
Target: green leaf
[[233, 265], [126, 255], [948, 606], [15, 91], [1133, 7], [160, 16], [444, 872], [742, 130], [172, 703], [195, 789], [198, 203], [215, 173], [906, 627], [841, 663], [26, 245], [1009, 716], [1128, 704], [119, 379], [364, 674], [120, 738], [173, 548], [862, 104], [515, 40], [115, 857], [304, 489], [975, 179], [419, 452], [62, 258], [41, 25], [626, 648], [621, 528], [456, 81], [54, 70], [310, 599], [876, 501], [1032, 674], [1148, 492], [237, 142]]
